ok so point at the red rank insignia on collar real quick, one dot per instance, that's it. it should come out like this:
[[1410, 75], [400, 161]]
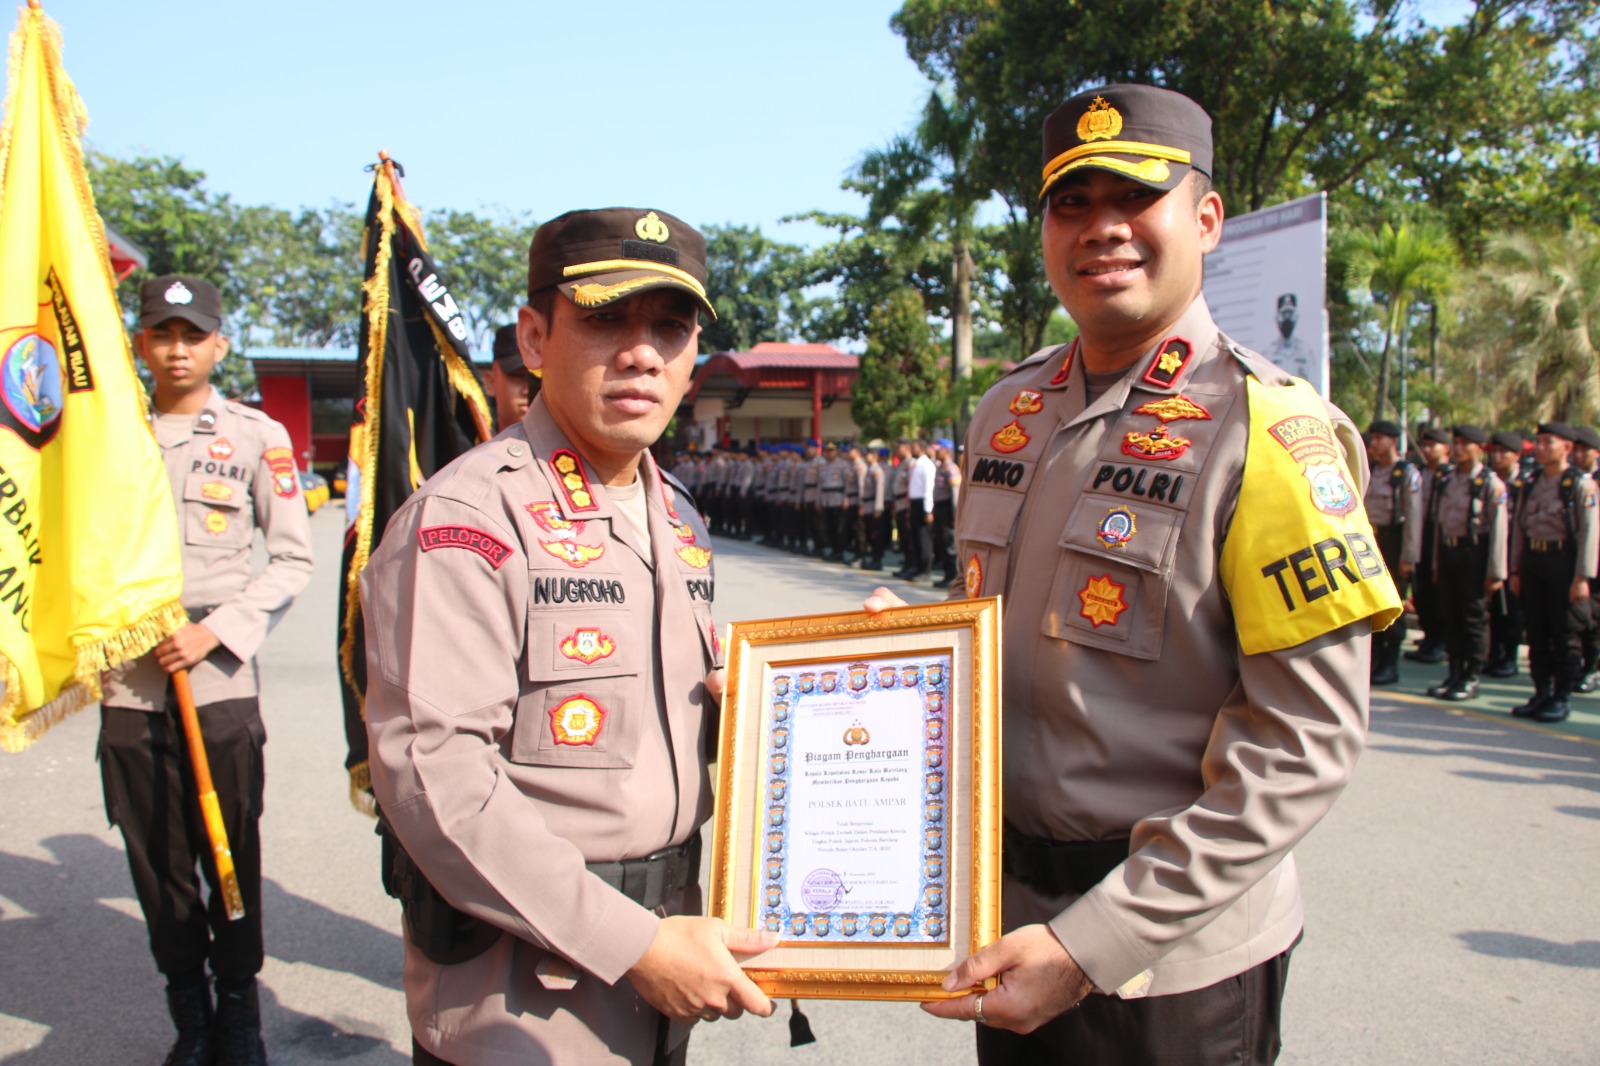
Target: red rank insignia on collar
[[1171, 357], [1066, 366], [574, 482]]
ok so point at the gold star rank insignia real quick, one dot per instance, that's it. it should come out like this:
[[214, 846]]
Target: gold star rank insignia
[[1171, 357], [1103, 602]]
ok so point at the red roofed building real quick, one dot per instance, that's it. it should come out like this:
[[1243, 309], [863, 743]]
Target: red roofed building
[[773, 392]]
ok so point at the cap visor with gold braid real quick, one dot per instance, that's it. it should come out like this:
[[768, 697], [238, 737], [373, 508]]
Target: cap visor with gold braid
[[1153, 136], [599, 257]]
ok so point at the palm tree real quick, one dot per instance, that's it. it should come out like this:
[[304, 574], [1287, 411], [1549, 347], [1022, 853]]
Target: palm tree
[[1552, 283], [1400, 267], [927, 180]]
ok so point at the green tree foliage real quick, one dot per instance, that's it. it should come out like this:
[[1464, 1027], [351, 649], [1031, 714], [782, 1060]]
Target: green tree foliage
[[900, 371], [1398, 266], [863, 268], [484, 260], [753, 282]]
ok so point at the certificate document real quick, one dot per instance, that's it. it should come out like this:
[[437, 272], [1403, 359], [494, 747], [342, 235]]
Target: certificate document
[[856, 840]]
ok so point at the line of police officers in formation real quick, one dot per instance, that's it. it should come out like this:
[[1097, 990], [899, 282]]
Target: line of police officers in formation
[[845, 503], [1494, 536]]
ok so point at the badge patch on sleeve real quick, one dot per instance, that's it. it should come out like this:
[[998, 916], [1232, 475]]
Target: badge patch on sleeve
[[1103, 601], [494, 550], [587, 645], [576, 721], [285, 481], [1310, 441]]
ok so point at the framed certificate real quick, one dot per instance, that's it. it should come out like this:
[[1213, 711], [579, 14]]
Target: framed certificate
[[858, 797]]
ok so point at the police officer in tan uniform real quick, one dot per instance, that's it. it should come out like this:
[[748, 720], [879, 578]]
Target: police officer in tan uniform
[[1505, 607], [1187, 633], [542, 694], [1470, 547], [232, 474], [1553, 553], [1434, 446], [1394, 507], [508, 380]]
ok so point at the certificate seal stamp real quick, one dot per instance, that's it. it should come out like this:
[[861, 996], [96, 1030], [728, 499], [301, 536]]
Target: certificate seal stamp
[[822, 889]]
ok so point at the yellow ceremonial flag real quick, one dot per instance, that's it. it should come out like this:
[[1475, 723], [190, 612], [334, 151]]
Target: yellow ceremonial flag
[[90, 573]]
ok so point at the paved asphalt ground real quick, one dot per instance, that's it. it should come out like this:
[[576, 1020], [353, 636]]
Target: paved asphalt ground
[[1452, 893]]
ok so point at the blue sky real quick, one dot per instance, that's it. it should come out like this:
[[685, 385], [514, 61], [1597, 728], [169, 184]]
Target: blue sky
[[717, 112]]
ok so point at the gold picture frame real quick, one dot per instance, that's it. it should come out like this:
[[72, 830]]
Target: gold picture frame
[[797, 796]]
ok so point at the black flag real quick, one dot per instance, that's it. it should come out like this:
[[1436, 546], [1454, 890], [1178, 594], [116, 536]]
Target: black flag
[[418, 406]]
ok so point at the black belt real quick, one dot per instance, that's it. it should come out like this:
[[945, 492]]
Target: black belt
[[656, 878], [1462, 542], [197, 614], [1059, 868], [1547, 545]]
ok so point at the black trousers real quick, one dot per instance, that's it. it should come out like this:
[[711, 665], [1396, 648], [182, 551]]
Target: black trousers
[[944, 539], [1554, 623], [919, 551], [150, 796], [1386, 643], [1462, 603], [1424, 593], [1234, 1022]]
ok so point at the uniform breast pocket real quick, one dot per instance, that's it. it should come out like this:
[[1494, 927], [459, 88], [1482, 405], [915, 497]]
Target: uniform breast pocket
[[216, 512], [984, 526], [1113, 576], [585, 690]]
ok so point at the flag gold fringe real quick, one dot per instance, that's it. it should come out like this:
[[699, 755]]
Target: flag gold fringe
[[361, 797]]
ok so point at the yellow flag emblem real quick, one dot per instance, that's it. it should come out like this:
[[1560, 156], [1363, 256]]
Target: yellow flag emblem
[[90, 574]]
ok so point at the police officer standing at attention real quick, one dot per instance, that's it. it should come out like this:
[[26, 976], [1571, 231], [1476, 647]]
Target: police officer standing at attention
[[542, 695], [1505, 610], [1394, 507], [1434, 444], [1552, 564], [232, 473], [509, 381], [1470, 546], [1586, 457], [1222, 607]]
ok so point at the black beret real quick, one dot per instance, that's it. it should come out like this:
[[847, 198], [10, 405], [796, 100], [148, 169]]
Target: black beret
[[1586, 436], [1558, 429], [1386, 427], [507, 356], [1437, 434], [1470, 432], [1510, 439]]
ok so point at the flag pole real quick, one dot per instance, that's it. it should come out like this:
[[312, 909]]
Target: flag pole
[[210, 809], [479, 422]]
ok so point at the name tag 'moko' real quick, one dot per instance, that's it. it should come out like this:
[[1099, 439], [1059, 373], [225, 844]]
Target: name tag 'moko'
[[1315, 569]]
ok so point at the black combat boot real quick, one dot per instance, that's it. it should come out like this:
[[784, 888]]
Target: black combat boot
[[1466, 686], [1426, 652], [190, 1007], [239, 1026], [1542, 689], [1385, 662], [1452, 679], [1555, 709]]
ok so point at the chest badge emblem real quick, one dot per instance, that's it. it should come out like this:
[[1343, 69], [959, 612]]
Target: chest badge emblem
[[1010, 438], [573, 554], [974, 578], [1172, 408], [695, 556], [576, 721], [221, 448], [1028, 402], [548, 517], [587, 645], [217, 490], [1117, 527], [216, 523], [1103, 601], [1159, 443]]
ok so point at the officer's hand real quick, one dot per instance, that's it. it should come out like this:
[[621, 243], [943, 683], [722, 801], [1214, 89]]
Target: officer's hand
[[1491, 585], [1580, 590], [1406, 570], [185, 648], [928, 518], [1038, 981], [716, 683], [1515, 585], [690, 972], [880, 600]]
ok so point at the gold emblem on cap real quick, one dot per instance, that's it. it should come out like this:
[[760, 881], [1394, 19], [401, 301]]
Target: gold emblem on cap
[[651, 228], [1101, 122]]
